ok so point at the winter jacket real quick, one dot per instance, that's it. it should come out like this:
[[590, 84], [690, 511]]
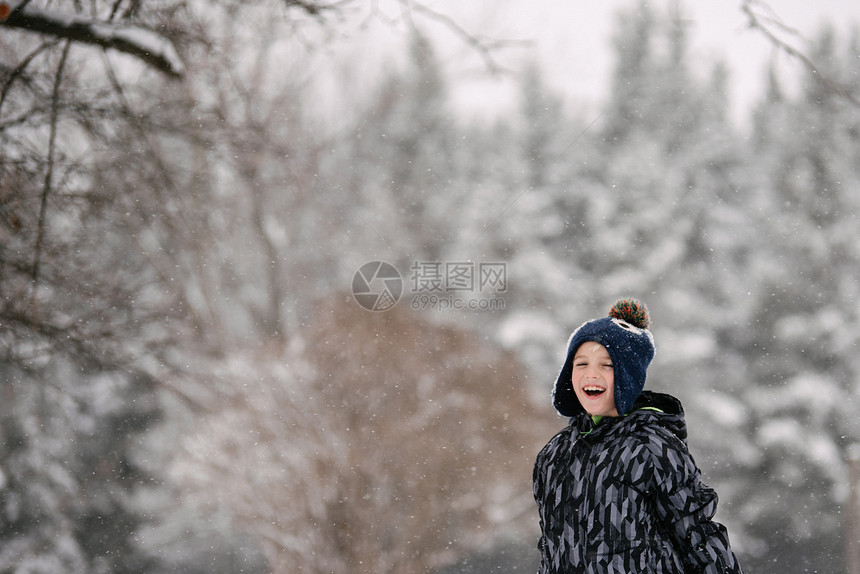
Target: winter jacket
[[625, 496]]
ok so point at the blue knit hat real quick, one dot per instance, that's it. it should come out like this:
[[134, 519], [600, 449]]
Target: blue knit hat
[[630, 344]]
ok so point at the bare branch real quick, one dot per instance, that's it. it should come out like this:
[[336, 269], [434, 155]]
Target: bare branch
[[19, 70], [144, 44], [483, 46], [49, 175], [312, 8], [765, 25]]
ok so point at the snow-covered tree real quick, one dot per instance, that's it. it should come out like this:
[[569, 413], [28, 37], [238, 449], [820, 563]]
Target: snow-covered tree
[[69, 471], [797, 342]]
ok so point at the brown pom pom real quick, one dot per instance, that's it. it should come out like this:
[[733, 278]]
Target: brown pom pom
[[631, 310]]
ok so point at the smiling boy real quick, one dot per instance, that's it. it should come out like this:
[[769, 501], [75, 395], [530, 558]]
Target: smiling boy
[[593, 380], [617, 491]]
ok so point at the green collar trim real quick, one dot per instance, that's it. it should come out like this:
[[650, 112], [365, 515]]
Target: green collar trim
[[597, 419]]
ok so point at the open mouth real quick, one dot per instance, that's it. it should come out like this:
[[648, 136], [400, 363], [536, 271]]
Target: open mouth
[[593, 390]]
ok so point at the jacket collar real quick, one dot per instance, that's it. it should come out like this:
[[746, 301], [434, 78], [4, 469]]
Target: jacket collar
[[650, 407]]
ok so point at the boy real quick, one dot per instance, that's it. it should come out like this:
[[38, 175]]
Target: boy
[[617, 491]]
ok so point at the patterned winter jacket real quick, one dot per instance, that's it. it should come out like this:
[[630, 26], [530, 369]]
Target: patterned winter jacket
[[625, 497]]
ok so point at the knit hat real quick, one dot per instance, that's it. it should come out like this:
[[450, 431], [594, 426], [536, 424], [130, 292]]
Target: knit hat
[[630, 344]]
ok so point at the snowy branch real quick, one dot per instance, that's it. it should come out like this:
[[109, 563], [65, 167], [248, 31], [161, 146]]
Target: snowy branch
[[134, 40]]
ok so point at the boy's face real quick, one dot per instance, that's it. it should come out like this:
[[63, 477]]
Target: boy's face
[[593, 379]]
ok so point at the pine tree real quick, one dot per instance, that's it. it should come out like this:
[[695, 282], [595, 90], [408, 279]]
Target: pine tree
[[69, 474], [407, 139], [798, 337]]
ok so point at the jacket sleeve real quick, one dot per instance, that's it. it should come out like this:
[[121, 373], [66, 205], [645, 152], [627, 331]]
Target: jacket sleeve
[[538, 480], [686, 507]]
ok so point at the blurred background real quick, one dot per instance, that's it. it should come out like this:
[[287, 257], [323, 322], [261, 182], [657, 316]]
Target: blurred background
[[188, 189]]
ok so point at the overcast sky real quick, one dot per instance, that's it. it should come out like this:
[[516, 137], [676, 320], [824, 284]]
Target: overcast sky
[[572, 39]]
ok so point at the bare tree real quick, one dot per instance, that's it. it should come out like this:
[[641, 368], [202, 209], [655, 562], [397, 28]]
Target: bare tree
[[379, 443], [70, 131], [121, 228]]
